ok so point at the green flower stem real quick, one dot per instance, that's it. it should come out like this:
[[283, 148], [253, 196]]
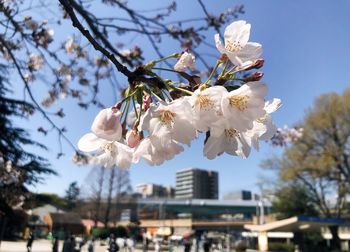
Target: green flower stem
[[166, 58], [134, 105], [155, 95], [223, 70], [165, 69], [125, 110], [139, 114], [212, 72], [181, 89], [128, 97]]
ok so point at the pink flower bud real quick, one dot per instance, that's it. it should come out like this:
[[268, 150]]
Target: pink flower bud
[[107, 124], [133, 138], [259, 63], [146, 101], [254, 77]]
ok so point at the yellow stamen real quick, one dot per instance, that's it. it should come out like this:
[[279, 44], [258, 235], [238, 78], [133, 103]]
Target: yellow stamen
[[239, 101], [109, 147], [233, 46], [166, 116], [230, 133], [204, 102]]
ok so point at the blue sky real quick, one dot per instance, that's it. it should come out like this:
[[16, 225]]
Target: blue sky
[[306, 52]]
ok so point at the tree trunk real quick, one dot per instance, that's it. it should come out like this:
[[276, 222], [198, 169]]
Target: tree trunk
[[2, 228], [335, 242], [109, 197], [98, 196]]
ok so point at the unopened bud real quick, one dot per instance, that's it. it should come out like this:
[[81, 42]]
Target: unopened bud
[[259, 63], [107, 124], [197, 79], [133, 138], [254, 77], [146, 101], [223, 58]]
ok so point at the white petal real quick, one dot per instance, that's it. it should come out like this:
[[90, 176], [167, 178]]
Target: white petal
[[184, 132], [238, 31], [124, 156], [250, 52], [107, 125], [272, 105], [242, 119], [90, 142], [213, 147], [235, 60], [219, 44]]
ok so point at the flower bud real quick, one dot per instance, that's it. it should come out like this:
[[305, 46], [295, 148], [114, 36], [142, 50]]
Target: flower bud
[[146, 101], [133, 138], [254, 77], [259, 63], [187, 60], [107, 124]]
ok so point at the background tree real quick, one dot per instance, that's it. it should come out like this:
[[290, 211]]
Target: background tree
[[92, 191], [320, 160], [111, 173], [41, 199], [72, 195], [18, 167], [118, 186], [292, 200]]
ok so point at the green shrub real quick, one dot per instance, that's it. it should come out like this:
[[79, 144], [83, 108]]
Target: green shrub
[[103, 233], [281, 247]]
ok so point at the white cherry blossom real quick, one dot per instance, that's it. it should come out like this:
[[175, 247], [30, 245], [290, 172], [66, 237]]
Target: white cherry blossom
[[154, 153], [264, 128], [236, 47], [170, 121], [108, 153], [107, 124], [187, 60], [206, 105], [69, 46], [226, 139], [244, 105], [35, 62]]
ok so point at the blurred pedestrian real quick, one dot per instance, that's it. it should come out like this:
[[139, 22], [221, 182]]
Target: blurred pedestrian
[[67, 245], [74, 247], [156, 245], [55, 244], [30, 241], [113, 246], [187, 245], [121, 243], [91, 244], [145, 242], [110, 239], [130, 244], [206, 245]]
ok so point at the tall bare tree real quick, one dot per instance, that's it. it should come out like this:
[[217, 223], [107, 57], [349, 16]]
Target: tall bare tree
[[92, 193], [111, 173]]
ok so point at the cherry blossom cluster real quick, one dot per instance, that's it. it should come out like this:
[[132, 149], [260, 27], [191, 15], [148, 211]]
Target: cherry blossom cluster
[[286, 135], [153, 122]]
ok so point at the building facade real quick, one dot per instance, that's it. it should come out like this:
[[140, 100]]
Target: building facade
[[194, 183], [239, 195], [154, 191]]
